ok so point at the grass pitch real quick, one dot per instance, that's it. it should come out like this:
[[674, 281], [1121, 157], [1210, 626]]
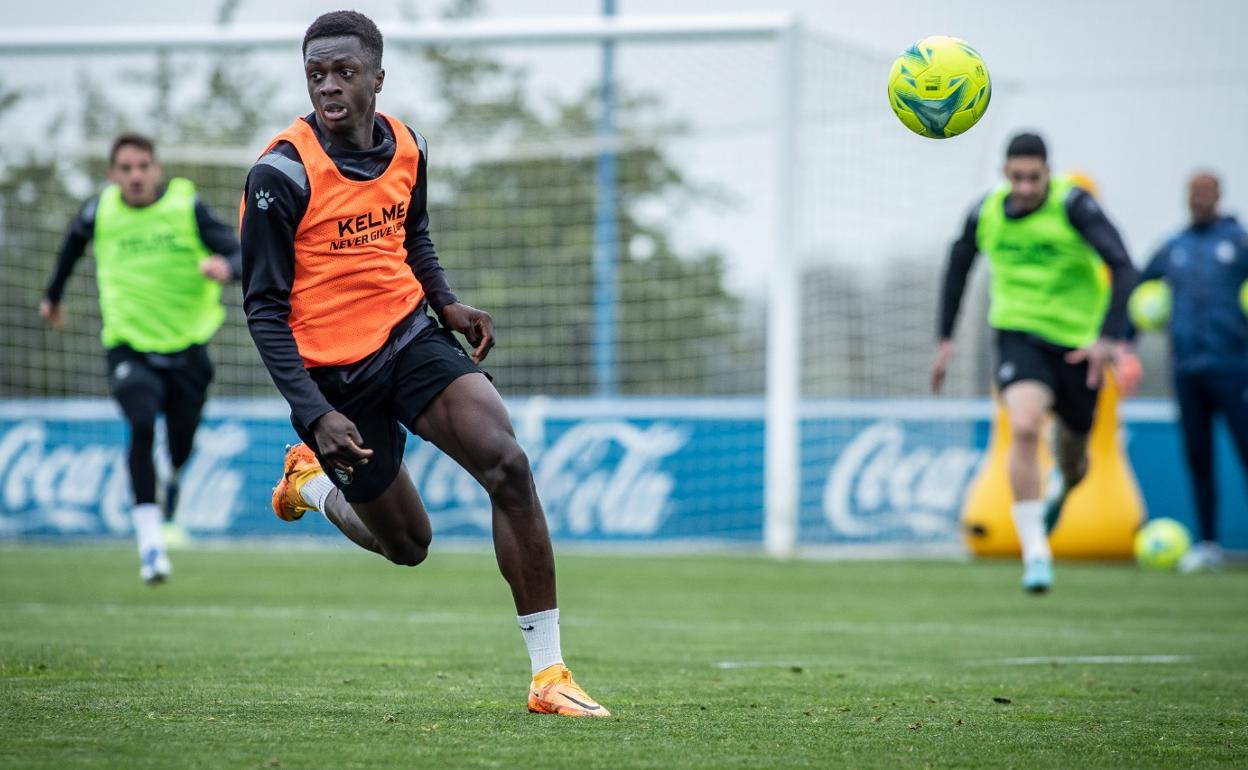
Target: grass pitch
[[335, 659]]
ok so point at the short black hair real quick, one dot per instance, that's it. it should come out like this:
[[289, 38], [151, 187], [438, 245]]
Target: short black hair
[[131, 139], [1027, 145], [343, 23]]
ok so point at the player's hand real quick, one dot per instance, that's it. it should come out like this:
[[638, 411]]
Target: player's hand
[[1099, 354], [339, 441], [1128, 371], [216, 268], [476, 326], [53, 313], [940, 363]]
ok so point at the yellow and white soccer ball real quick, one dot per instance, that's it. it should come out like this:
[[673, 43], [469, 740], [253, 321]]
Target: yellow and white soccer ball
[[1149, 305], [939, 87], [1161, 543]]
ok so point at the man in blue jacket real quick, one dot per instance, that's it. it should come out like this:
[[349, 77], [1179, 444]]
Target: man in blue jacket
[[1205, 265]]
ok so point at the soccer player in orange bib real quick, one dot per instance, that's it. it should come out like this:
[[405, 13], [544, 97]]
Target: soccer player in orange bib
[[339, 274]]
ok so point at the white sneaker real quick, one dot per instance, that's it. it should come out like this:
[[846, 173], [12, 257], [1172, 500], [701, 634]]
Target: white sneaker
[[1204, 556], [155, 567]]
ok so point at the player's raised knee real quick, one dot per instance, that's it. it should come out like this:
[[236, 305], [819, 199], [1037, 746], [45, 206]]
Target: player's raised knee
[[509, 472], [407, 552], [1027, 429]]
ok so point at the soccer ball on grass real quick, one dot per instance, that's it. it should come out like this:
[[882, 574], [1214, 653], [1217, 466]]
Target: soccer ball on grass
[[1161, 543]]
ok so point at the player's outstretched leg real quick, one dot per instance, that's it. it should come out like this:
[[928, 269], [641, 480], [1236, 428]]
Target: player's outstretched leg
[[186, 391], [154, 565], [1026, 402], [139, 392], [469, 423], [304, 487], [1071, 451]]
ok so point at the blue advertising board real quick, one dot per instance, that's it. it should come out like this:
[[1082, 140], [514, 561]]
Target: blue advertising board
[[663, 471]]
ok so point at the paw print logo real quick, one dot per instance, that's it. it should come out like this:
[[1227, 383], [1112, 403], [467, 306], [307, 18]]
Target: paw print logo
[[263, 199]]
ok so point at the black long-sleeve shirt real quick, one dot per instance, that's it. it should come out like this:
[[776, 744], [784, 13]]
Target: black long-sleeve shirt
[[268, 236], [214, 233], [1087, 217]]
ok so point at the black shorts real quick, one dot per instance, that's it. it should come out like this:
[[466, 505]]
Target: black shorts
[[173, 383], [1023, 356], [386, 405]]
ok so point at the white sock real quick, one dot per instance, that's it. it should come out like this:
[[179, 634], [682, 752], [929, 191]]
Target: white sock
[[315, 490], [1029, 522], [148, 524], [541, 635]]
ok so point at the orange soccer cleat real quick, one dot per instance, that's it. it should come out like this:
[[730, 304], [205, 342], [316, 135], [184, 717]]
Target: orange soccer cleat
[[554, 691], [301, 465]]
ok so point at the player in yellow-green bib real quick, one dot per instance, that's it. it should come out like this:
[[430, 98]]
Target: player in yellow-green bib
[[161, 257], [1059, 321]]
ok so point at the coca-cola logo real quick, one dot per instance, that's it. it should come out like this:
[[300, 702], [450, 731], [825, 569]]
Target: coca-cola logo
[[604, 476], [879, 487], [601, 476], [84, 488]]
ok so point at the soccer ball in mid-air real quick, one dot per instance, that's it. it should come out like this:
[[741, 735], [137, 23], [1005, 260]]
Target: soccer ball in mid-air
[[1161, 543], [939, 87]]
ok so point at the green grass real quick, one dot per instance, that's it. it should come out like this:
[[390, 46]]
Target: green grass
[[335, 659]]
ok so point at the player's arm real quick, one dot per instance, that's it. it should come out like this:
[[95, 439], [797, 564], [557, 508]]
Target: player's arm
[[268, 273], [226, 261], [961, 259], [73, 246], [1087, 217], [1127, 368], [1156, 268], [476, 325]]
